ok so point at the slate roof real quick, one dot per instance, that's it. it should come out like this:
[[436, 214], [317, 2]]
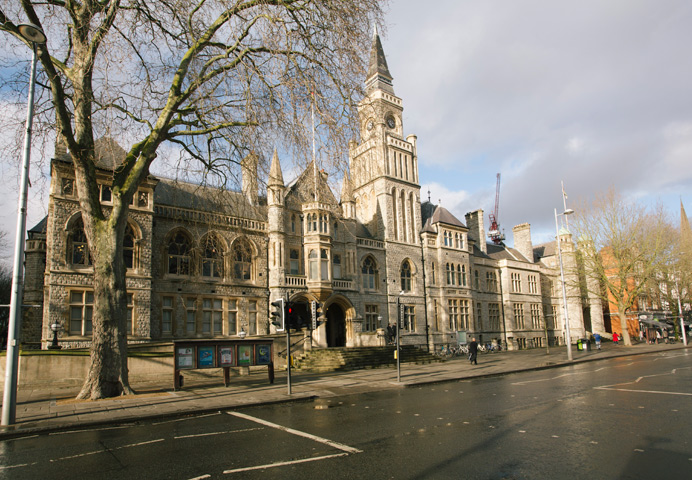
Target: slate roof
[[438, 214], [208, 199]]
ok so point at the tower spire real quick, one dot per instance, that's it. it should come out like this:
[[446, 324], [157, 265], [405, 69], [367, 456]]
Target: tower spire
[[378, 71]]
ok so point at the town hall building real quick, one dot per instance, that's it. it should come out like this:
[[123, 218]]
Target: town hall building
[[207, 263]]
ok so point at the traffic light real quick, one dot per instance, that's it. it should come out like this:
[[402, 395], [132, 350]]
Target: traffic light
[[289, 315], [278, 315]]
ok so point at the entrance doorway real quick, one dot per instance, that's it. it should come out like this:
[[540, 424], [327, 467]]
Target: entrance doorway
[[336, 326]]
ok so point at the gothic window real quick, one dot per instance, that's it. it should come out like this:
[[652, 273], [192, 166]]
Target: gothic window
[[212, 257], [242, 260], [313, 222], [463, 275], [369, 272], [447, 238], [129, 252], [459, 276], [106, 194], [406, 276], [450, 274], [179, 254], [336, 266], [312, 265], [78, 247], [476, 280]]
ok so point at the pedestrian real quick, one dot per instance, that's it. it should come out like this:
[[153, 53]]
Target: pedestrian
[[473, 351], [641, 334], [658, 336], [615, 338], [665, 335], [390, 334], [597, 339]]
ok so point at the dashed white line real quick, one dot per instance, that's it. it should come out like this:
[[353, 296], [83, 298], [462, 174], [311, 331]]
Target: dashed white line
[[186, 418], [282, 464], [129, 425], [104, 450], [217, 433], [7, 467], [325, 441], [202, 477]]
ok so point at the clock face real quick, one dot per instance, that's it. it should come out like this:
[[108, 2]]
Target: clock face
[[369, 125], [391, 123]]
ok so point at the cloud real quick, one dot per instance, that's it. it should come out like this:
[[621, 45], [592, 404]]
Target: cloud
[[590, 93]]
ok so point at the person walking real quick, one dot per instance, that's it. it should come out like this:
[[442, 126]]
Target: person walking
[[658, 336], [473, 351], [615, 338], [597, 339]]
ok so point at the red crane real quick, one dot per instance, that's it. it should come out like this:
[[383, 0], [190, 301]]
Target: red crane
[[495, 235]]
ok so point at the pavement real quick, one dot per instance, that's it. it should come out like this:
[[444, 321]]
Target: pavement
[[47, 408]]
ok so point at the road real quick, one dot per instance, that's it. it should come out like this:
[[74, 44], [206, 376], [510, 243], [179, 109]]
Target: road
[[627, 417]]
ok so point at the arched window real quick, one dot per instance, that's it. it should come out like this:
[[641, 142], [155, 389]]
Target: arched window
[[78, 248], [463, 275], [179, 254], [242, 260], [212, 257], [459, 277], [129, 256], [450, 273], [369, 272], [406, 276]]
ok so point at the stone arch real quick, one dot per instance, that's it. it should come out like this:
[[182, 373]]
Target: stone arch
[[178, 252]]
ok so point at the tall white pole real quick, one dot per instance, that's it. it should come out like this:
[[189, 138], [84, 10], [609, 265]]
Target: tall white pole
[[9, 403], [568, 338], [682, 320]]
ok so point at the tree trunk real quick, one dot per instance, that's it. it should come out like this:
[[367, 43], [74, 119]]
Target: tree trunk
[[108, 374], [625, 331]]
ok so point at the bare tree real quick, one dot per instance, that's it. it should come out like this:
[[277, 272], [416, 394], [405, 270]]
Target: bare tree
[[213, 79], [624, 246]]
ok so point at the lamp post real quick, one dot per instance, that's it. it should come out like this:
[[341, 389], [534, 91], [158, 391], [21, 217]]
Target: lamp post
[[35, 36], [568, 338], [55, 327]]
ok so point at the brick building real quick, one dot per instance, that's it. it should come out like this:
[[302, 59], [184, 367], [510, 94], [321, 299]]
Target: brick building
[[207, 263]]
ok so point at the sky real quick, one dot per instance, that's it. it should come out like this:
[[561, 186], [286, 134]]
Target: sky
[[590, 93]]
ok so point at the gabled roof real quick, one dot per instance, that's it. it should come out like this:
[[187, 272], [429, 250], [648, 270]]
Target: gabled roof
[[548, 249], [438, 214]]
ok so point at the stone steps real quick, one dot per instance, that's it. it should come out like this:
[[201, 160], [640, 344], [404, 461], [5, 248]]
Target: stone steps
[[340, 359]]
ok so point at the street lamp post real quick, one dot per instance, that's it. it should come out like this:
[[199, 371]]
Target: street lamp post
[[568, 338], [35, 36]]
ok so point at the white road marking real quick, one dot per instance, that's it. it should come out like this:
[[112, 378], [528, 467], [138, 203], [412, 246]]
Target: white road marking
[[21, 438], [200, 477], [186, 418], [7, 467], [217, 433], [549, 379], [326, 441], [98, 429], [281, 464], [106, 450], [672, 372]]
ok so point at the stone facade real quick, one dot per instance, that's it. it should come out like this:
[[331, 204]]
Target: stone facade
[[208, 263]]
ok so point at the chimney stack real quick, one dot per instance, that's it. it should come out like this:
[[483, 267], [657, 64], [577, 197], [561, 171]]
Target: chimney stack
[[474, 221], [522, 240]]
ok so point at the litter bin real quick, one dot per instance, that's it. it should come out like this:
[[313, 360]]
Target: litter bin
[[587, 345], [580, 345]]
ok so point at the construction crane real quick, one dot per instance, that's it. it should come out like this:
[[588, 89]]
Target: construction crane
[[494, 234]]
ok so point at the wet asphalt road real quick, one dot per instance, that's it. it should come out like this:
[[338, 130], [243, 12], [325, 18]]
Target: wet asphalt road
[[619, 418]]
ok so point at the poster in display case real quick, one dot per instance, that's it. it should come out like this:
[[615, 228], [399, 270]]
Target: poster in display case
[[226, 357], [185, 357], [205, 357], [263, 354], [244, 354]]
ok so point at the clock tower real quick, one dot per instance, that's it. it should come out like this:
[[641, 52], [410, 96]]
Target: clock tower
[[384, 166]]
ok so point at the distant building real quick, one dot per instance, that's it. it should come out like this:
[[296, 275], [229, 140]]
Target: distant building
[[207, 263]]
